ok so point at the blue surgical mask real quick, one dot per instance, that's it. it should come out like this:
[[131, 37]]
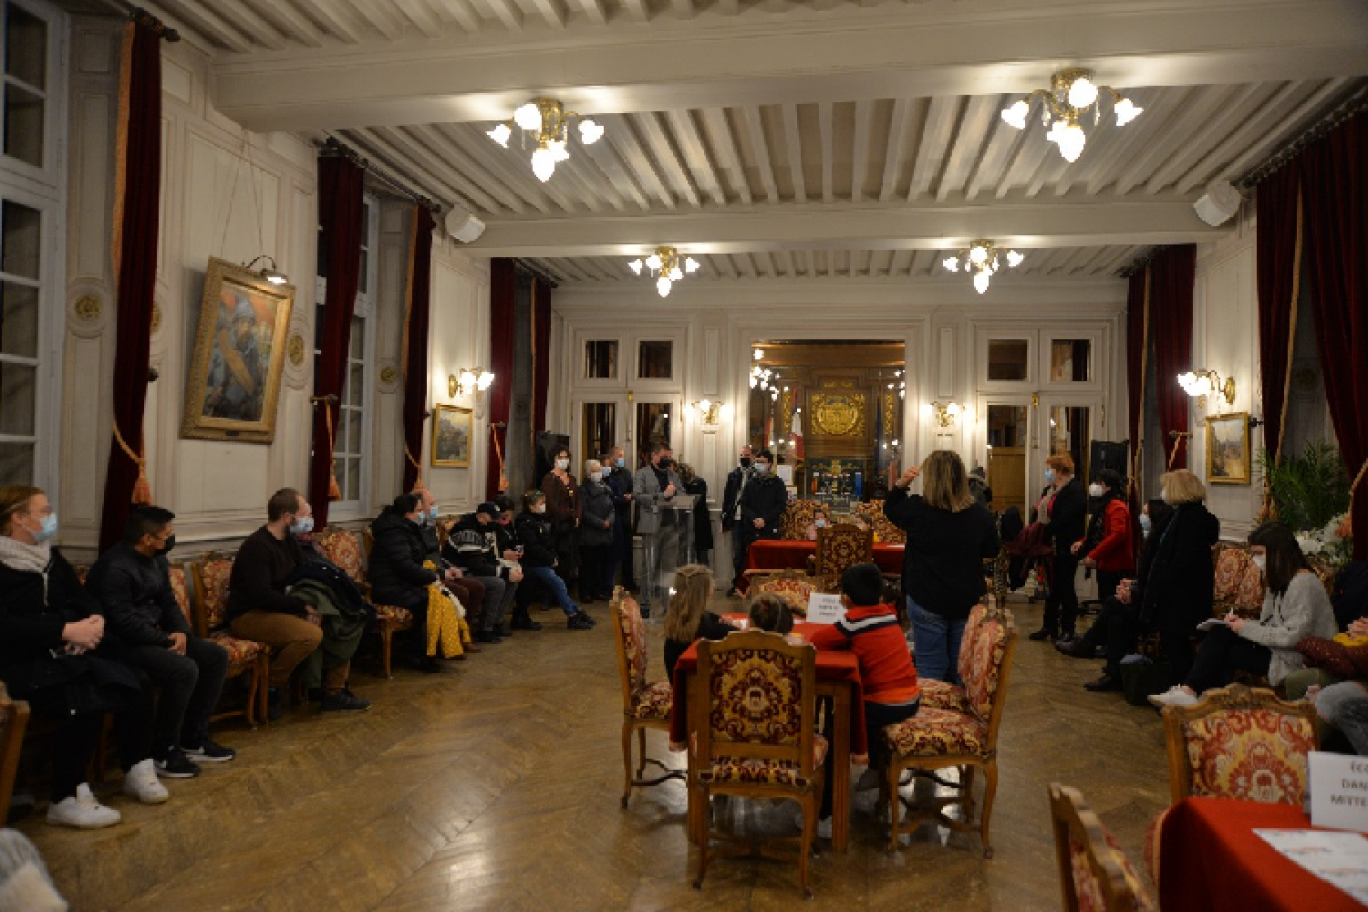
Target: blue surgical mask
[[432, 514], [1145, 523], [620, 462], [301, 525], [47, 529], [1049, 476]]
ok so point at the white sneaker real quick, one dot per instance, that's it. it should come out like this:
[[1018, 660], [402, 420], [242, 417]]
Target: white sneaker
[[823, 825], [1174, 696], [141, 782], [82, 811]]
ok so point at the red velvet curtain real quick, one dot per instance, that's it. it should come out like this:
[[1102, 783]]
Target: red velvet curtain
[[502, 311], [1279, 249], [1137, 326], [1173, 274], [136, 225], [416, 344], [1335, 217], [340, 217], [541, 355]]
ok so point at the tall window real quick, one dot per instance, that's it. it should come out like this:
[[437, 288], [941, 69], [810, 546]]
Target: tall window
[[31, 202], [351, 449]]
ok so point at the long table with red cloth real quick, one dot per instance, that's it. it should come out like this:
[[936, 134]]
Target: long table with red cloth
[[1211, 860], [838, 676], [783, 554]]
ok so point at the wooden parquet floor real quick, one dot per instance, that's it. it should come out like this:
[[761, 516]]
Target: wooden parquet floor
[[495, 785]]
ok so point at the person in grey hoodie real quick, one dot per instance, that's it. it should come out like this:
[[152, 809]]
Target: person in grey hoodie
[[1295, 606]]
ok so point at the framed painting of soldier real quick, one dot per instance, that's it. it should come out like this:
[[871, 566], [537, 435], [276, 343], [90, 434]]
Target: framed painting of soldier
[[233, 382]]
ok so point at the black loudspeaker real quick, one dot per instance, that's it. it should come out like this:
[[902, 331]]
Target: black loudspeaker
[[547, 444], [1107, 455]]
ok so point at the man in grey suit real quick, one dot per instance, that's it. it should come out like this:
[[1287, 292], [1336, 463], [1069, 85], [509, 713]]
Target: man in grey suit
[[653, 488]]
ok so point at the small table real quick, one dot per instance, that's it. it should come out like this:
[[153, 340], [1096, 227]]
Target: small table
[[838, 677], [1210, 859], [783, 554]]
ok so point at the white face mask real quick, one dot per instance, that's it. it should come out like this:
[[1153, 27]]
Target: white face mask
[[596, 476], [539, 509], [1260, 561], [761, 468], [563, 464], [1145, 523], [821, 523], [1095, 490]]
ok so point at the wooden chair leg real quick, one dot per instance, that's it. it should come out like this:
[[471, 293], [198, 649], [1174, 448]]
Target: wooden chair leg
[[641, 753], [386, 644], [253, 682], [626, 762], [805, 844], [990, 789], [263, 695], [704, 797]]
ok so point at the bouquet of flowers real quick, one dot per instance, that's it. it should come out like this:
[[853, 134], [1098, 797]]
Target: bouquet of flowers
[[1330, 543]]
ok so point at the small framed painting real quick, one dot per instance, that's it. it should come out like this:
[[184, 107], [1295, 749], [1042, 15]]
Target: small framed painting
[[1227, 449], [451, 429]]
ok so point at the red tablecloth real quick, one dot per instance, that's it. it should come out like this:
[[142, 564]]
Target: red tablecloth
[[1210, 860], [831, 666], [779, 554]]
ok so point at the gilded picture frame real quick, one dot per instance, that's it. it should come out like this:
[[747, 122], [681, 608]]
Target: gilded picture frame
[[452, 429], [1227, 449], [233, 381]]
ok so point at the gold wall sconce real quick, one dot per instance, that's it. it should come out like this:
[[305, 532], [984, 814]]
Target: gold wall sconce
[[470, 382], [946, 413], [711, 412], [1206, 383]]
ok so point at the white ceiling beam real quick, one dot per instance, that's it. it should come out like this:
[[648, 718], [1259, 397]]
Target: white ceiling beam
[[328, 13], [976, 127], [207, 23], [893, 159], [669, 156], [695, 153], [793, 139], [621, 132], [423, 19], [859, 157], [684, 9], [553, 11], [636, 9], [399, 151], [755, 121], [431, 148], [941, 123], [267, 34], [922, 50], [1018, 223], [1194, 108], [607, 159], [827, 127], [724, 143], [594, 10]]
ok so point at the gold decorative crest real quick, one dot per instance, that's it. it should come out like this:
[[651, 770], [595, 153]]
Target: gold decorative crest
[[295, 349], [839, 414], [87, 308]]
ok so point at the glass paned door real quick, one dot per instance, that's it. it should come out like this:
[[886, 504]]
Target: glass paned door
[[600, 424], [21, 271], [1066, 425], [1006, 449]]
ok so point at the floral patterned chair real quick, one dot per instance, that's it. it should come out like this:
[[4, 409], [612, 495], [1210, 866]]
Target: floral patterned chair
[[1238, 586], [842, 546], [872, 512], [1240, 742], [943, 694], [796, 519], [645, 704], [14, 716], [936, 738], [759, 740], [794, 586], [343, 547], [1094, 873], [208, 611]]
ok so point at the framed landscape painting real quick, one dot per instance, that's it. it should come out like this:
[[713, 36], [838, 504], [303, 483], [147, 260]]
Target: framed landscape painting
[[233, 381], [451, 429], [1227, 449]]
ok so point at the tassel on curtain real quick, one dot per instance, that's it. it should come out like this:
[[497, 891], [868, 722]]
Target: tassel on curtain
[[137, 204]]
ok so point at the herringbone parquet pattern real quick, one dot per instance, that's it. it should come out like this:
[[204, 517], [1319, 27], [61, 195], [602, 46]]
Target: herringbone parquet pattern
[[495, 786]]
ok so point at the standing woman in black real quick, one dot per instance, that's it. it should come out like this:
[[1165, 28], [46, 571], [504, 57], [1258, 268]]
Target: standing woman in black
[[1064, 509], [563, 510]]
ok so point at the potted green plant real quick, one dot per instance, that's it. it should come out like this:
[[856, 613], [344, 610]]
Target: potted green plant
[[1309, 492]]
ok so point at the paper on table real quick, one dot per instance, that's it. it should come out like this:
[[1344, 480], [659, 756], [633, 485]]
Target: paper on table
[[1212, 623], [1337, 858], [824, 608]]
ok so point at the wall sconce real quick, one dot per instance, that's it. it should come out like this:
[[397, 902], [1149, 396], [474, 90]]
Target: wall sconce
[[709, 412], [946, 413], [1206, 383], [471, 380]]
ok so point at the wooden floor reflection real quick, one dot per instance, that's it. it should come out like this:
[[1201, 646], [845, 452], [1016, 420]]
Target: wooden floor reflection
[[495, 786]]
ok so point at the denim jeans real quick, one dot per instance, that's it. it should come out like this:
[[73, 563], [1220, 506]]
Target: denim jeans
[[555, 586], [936, 643]]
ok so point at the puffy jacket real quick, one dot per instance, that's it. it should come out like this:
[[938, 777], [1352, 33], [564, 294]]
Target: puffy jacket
[[469, 546], [596, 505], [1113, 548], [534, 534], [32, 615], [396, 564]]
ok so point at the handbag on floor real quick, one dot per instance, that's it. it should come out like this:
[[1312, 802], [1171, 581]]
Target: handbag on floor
[[1139, 680]]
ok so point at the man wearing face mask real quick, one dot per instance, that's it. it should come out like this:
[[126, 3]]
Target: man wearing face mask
[[133, 584], [618, 477], [472, 593], [653, 488], [737, 479], [762, 504]]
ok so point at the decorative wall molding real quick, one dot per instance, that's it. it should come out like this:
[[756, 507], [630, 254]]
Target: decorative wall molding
[[87, 316]]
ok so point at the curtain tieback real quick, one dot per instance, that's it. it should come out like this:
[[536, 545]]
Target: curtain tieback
[[1178, 437], [142, 491], [417, 466], [1348, 528], [334, 489]]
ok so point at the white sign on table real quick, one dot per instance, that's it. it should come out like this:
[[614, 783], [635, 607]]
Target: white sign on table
[[1339, 791], [824, 608]]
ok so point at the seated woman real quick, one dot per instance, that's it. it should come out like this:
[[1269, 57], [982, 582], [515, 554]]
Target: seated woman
[[540, 558], [770, 613], [687, 617], [50, 630], [1295, 606], [820, 520]]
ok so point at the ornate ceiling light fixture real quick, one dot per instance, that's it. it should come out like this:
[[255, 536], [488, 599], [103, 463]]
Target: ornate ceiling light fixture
[[666, 266], [545, 121], [1072, 92], [981, 258]]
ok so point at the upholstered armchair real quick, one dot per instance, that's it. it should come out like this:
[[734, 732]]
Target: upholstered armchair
[[937, 738], [793, 586], [1240, 742], [759, 739], [796, 519], [943, 694], [14, 716], [207, 609], [872, 512], [1094, 873], [842, 546], [645, 704], [344, 548]]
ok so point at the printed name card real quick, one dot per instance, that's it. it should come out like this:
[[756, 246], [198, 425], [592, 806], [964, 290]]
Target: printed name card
[[824, 608], [1339, 791]]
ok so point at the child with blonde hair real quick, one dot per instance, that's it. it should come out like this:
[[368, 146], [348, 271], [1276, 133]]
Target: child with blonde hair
[[687, 617]]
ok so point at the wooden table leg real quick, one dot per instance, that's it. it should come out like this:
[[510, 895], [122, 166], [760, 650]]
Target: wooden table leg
[[838, 763]]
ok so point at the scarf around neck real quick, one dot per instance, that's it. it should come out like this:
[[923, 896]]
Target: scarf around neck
[[25, 558]]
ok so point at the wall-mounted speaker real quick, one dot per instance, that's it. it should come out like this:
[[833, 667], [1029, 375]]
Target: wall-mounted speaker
[[463, 225], [1219, 204]]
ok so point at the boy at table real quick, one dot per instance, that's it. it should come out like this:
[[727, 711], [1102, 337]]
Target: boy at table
[[870, 629]]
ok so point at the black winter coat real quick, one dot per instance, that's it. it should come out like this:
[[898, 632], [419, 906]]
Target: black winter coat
[[596, 505], [30, 624], [396, 563], [765, 498], [534, 534], [460, 546], [1069, 516], [1179, 591], [702, 520]]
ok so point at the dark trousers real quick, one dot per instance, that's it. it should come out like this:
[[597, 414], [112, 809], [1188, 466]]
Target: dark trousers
[[622, 551], [1177, 649], [77, 736], [592, 561], [877, 716], [1222, 653], [1117, 628], [1061, 608], [190, 688], [1107, 581]]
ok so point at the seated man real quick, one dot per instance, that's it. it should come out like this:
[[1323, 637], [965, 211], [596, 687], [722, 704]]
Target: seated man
[[470, 591], [476, 546], [260, 608], [133, 584]]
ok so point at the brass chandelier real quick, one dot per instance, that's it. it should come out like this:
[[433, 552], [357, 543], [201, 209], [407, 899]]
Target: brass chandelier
[[665, 264], [1071, 93], [982, 259], [545, 122]]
